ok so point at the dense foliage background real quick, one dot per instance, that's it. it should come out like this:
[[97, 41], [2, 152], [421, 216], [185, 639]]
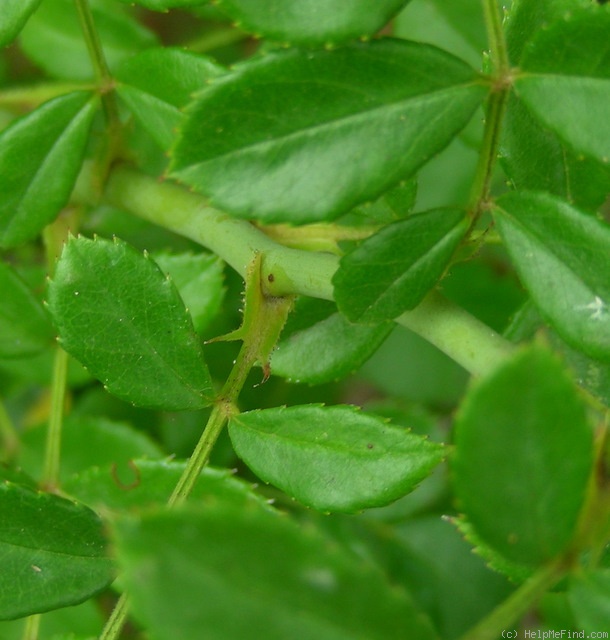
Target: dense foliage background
[[404, 409]]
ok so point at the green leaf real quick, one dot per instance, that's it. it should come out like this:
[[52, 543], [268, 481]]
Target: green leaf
[[87, 441], [449, 27], [589, 597], [589, 373], [53, 552], [522, 459], [25, 328], [394, 269], [433, 560], [144, 483], [271, 139], [561, 256], [566, 81], [311, 21], [535, 158], [16, 476], [189, 572], [319, 345], [55, 27], [15, 14], [156, 83], [200, 283], [333, 458], [525, 19], [117, 313], [467, 18], [40, 157], [393, 205], [516, 572]]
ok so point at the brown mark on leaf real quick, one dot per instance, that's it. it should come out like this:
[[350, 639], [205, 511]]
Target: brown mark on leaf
[[121, 485]]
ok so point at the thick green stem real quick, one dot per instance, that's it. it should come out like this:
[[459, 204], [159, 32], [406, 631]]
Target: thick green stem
[[9, 438], [464, 338], [454, 331], [509, 612], [50, 474]]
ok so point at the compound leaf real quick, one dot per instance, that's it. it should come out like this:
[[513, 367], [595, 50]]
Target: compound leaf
[[311, 21], [393, 270], [271, 139], [25, 327], [566, 81], [319, 345], [561, 256], [189, 571], [522, 459], [125, 321], [333, 458], [40, 157], [15, 14], [53, 552], [156, 83]]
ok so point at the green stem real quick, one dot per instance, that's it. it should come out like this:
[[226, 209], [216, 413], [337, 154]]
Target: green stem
[[98, 60], [31, 628], [222, 411], [216, 422], [263, 320], [50, 474], [461, 336], [494, 116], [116, 621], [496, 107], [509, 612], [108, 147], [216, 39], [495, 37], [9, 437]]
